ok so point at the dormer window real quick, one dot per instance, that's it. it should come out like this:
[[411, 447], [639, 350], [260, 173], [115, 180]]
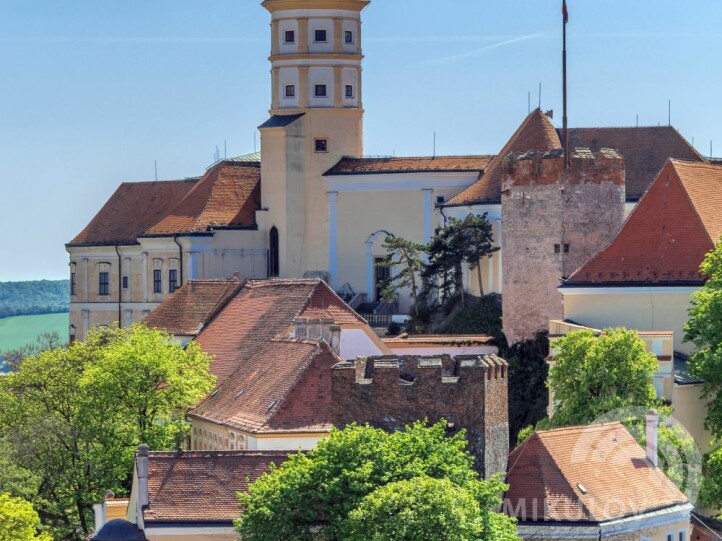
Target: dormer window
[[290, 36], [320, 36]]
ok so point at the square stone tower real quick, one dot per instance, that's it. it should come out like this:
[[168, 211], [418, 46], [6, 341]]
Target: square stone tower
[[553, 220]]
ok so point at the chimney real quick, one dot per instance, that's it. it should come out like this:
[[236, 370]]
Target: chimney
[[141, 468], [336, 339], [300, 328], [652, 427]]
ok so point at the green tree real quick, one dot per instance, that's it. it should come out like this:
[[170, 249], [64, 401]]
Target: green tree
[[704, 330], [459, 241], [19, 521], [74, 416], [422, 508], [47, 340], [593, 375], [406, 257], [314, 494]]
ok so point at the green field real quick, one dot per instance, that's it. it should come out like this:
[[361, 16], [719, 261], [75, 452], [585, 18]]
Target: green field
[[20, 330]]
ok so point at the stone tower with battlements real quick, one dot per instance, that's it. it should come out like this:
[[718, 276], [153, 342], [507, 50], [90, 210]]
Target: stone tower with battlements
[[553, 221], [469, 391]]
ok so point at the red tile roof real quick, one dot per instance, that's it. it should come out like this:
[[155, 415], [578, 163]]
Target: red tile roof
[[591, 473], [645, 150], [535, 133], [201, 486], [267, 381], [665, 239], [355, 166], [133, 208], [261, 311], [283, 387], [192, 306], [228, 195]]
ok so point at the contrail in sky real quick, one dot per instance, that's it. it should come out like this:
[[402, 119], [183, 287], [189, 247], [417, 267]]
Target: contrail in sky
[[482, 50]]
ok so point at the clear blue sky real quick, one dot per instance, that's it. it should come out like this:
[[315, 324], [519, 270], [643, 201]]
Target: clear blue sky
[[93, 92]]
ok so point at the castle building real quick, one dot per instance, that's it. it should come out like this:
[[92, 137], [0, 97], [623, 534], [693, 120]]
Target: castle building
[[311, 205]]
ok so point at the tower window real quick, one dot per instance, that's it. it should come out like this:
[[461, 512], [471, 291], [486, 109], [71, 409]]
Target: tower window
[[172, 280], [72, 283], [321, 145], [273, 254], [321, 91], [290, 91], [349, 36], [320, 36], [157, 281], [103, 283], [290, 36], [125, 282], [349, 91]]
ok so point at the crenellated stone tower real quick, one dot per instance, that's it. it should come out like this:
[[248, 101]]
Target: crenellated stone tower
[[553, 221], [316, 119]]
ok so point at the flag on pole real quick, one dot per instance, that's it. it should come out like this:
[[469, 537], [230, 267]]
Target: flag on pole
[[565, 12]]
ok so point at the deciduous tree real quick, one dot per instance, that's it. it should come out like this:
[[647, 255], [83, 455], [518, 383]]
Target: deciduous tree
[[19, 521], [74, 416], [335, 491], [592, 375]]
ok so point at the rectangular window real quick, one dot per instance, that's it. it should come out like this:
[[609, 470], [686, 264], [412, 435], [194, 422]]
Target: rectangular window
[[670, 537], [440, 199], [320, 36], [566, 248], [349, 91], [321, 91], [290, 36], [157, 281], [125, 282], [103, 283], [172, 280], [321, 145], [349, 36], [682, 535], [72, 283], [290, 91], [557, 248]]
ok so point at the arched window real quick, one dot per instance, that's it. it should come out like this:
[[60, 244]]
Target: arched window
[[273, 266]]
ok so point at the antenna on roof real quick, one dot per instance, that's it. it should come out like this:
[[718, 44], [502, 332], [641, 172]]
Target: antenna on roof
[[528, 100], [710, 149], [225, 149], [540, 96], [434, 155], [669, 112], [254, 141], [155, 162], [638, 120]]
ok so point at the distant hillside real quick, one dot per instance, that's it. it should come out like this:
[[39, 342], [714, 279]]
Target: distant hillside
[[36, 297]]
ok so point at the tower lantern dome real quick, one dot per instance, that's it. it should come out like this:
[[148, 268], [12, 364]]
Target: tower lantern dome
[[316, 54]]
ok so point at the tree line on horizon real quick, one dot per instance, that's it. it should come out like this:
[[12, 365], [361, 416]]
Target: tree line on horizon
[[34, 297]]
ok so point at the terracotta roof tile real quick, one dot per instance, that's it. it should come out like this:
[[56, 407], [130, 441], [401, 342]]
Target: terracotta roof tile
[[261, 311], [666, 237], [201, 486], [645, 150], [192, 306], [356, 166], [133, 208], [266, 380], [535, 133], [285, 386], [591, 473], [228, 195]]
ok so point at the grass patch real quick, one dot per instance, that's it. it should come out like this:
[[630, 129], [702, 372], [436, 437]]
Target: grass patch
[[17, 331]]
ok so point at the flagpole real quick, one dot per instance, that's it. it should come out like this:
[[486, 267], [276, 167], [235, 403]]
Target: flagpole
[[564, 84]]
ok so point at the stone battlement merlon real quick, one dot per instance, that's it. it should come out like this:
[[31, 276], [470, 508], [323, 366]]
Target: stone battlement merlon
[[409, 369], [547, 167]]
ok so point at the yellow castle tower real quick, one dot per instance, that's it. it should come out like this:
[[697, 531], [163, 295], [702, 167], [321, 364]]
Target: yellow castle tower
[[316, 119]]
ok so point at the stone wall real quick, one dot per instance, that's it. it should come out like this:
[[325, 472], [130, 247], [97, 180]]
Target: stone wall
[[469, 392], [553, 221]]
